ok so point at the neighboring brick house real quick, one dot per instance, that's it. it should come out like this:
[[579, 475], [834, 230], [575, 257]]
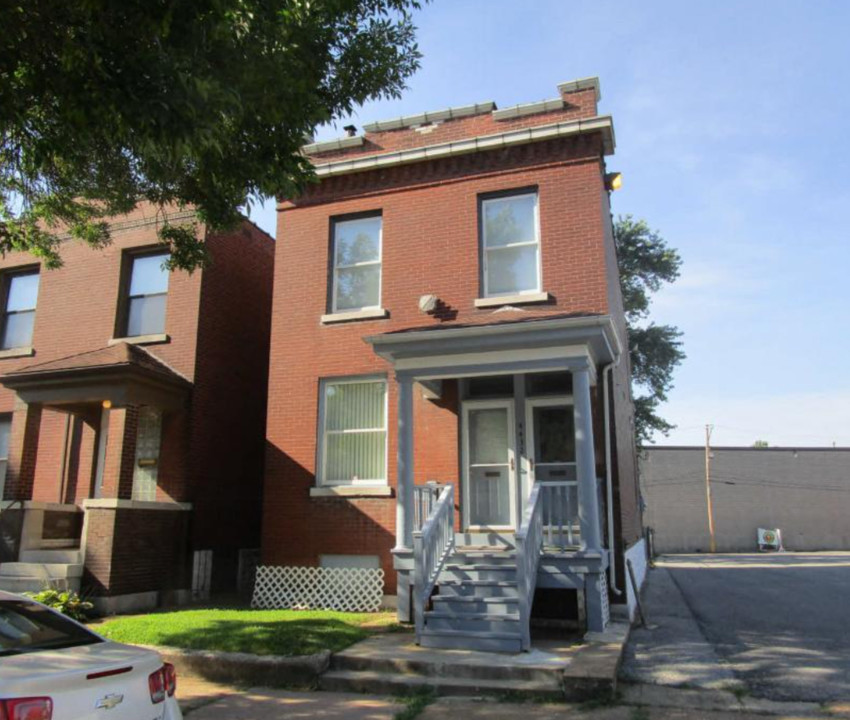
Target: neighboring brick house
[[447, 308], [132, 413]]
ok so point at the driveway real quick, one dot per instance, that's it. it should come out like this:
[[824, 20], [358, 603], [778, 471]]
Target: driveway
[[775, 626]]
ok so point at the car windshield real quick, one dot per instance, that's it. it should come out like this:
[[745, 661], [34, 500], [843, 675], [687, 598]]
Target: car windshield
[[26, 627]]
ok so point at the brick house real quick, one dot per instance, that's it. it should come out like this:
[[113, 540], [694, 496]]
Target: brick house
[[132, 414], [448, 342]]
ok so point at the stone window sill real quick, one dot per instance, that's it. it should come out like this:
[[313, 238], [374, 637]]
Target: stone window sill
[[523, 299], [368, 314], [118, 504], [17, 352], [142, 339], [349, 491]]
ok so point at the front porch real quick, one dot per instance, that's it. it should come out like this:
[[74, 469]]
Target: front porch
[[92, 490], [530, 500]]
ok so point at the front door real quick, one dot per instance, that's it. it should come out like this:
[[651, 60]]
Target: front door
[[551, 459], [489, 469]]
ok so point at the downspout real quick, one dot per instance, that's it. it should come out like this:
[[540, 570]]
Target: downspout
[[609, 479]]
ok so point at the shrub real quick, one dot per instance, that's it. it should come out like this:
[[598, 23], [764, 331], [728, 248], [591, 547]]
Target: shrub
[[65, 601]]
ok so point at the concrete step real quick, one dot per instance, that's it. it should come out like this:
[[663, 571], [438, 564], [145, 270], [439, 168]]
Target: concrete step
[[376, 683], [472, 622], [457, 571], [442, 665], [477, 588], [462, 605], [71, 556], [470, 640], [18, 584], [40, 570]]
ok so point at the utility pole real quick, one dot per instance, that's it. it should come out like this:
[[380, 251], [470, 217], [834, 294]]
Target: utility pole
[[712, 545]]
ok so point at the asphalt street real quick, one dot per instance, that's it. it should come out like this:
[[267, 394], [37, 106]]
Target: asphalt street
[[773, 626]]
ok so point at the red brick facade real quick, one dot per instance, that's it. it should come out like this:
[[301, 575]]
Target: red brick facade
[[217, 323], [430, 238]]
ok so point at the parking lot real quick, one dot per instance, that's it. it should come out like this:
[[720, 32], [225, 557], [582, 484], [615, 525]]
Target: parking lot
[[771, 626]]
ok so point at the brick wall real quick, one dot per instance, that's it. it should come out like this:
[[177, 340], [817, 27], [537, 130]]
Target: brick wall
[[133, 551], [229, 397]]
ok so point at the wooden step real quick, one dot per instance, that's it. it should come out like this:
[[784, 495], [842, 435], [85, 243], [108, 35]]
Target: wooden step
[[472, 622], [477, 588], [471, 604], [471, 640]]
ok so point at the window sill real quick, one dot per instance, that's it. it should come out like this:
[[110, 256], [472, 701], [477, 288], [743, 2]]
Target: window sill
[[142, 339], [368, 314], [523, 299], [121, 504], [348, 491], [17, 352]]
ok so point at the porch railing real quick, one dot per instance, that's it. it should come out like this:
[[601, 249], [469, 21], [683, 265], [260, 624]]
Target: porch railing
[[424, 499], [560, 514], [529, 544], [432, 545]]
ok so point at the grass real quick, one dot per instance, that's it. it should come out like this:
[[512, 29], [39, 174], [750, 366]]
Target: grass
[[261, 632], [415, 703]]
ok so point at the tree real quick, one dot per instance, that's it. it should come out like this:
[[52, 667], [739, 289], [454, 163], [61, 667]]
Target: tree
[[203, 104], [761, 444], [646, 262]]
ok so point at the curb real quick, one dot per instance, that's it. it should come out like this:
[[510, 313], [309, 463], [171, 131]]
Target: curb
[[247, 669]]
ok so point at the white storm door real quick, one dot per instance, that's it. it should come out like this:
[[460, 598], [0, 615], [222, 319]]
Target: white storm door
[[489, 464]]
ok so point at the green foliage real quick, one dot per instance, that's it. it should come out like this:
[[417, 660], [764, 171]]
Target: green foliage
[[202, 104], [261, 632], [65, 601], [761, 444], [415, 702], [646, 263]]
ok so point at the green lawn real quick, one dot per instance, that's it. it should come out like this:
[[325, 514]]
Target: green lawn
[[262, 632]]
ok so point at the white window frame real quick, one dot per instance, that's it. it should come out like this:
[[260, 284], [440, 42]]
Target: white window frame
[[485, 251], [321, 480], [336, 222], [11, 275]]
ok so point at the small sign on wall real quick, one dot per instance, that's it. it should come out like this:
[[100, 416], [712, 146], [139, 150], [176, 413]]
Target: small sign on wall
[[769, 540]]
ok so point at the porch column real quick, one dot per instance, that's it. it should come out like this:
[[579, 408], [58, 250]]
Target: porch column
[[23, 451], [588, 504], [404, 459]]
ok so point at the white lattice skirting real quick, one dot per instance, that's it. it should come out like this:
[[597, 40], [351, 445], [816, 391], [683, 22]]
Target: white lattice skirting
[[319, 588]]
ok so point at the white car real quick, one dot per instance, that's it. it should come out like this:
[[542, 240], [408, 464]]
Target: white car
[[52, 668]]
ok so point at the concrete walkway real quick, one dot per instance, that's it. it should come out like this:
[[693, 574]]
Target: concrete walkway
[[202, 700]]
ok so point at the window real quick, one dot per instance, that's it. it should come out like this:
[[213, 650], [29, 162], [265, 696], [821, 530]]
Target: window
[[356, 264], [26, 627], [148, 439], [353, 432], [19, 314], [147, 294], [510, 236]]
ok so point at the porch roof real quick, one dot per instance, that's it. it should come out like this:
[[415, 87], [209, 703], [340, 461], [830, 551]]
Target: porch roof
[[535, 344], [122, 373]]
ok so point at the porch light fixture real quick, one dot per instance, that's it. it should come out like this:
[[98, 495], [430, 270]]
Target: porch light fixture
[[107, 404], [613, 181]]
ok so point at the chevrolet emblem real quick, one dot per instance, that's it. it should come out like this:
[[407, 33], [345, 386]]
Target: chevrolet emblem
[[109, 701]]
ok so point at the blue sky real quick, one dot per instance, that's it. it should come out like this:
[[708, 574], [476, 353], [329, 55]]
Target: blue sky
[[731, 121]]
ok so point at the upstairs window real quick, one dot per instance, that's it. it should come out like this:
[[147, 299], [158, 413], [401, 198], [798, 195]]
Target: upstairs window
[[21, 291], [353, 432], [147, 293], [510, 238], [356, 264]]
